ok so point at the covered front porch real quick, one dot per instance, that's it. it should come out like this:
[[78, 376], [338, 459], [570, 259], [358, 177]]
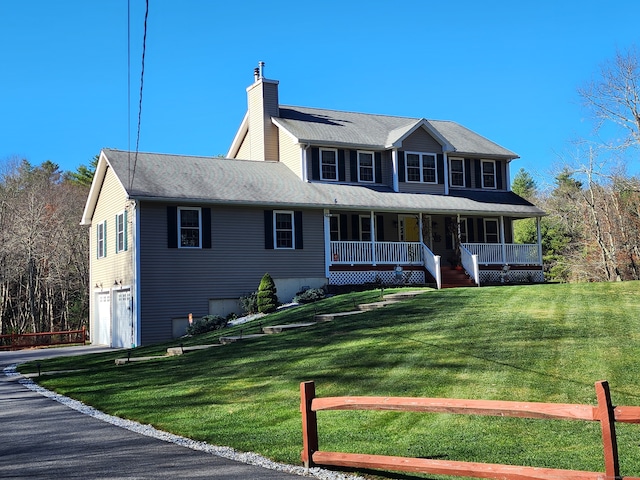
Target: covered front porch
[[415, 248]]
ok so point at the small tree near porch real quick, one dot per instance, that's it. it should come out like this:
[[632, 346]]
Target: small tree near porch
[[267, 298]]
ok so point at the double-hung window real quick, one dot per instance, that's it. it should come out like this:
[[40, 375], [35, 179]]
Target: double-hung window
[[491, 231], [365, 228], [456, 172], [334, 228], [189, 227], [284, 229], [101, 239], [121, 232], [366, 170], [488, 173], [329, 164], [421, 167]]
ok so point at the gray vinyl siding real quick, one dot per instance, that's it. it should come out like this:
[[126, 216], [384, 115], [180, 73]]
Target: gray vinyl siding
[[290, 153], [421, 141], [176, 282], [387, 168], [421, 188]]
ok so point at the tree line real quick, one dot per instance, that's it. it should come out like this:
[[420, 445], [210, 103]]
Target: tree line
[[44, 264]]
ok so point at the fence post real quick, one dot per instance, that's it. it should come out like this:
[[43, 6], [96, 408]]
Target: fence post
[[606, 416], [309, 423], [84, 335]]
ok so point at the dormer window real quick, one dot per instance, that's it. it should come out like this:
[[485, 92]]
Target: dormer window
[[488, 174], [421, 167], [456, 172], [366, 171], [329, 164]]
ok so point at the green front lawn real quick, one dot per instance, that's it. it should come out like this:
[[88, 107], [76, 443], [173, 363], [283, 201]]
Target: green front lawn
[[546, 343]]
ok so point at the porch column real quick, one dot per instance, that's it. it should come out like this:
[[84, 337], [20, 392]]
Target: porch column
[[502, 240], [327, 242], [373, 238], [421, 237], [539, 231], [394, 165]]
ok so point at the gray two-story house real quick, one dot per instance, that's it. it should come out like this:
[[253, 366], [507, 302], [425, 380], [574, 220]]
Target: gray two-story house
[[311, 196]]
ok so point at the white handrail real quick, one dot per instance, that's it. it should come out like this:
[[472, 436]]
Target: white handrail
[[514, 253], [470, 264], [432, 264]]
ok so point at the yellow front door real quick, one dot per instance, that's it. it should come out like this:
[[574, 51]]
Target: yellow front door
[[409, 229]]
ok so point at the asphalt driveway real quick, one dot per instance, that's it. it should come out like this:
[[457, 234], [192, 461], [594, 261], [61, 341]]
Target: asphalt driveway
[[41, 438]]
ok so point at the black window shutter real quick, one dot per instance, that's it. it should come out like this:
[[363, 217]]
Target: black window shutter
[[297, 220], [355, 227], [354, 165], [268, 229], [379, 228], [440, 168], [447, 236], [172, 227], [342, 174], [206, 227], [315, 163], [480, 224], [343, 227], [478, 171], [499, 175], [401, 166], [467, 171], [378, 157]]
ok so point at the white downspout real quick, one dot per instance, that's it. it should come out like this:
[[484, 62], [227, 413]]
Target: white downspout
[[327, 243], [394, 164], [305, 167], [135, 297], [373, 238], [508, 174], [502, 239]]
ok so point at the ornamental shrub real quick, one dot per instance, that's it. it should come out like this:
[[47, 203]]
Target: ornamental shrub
[[309, 296], [249, 303], [208, 323], [267, 298]]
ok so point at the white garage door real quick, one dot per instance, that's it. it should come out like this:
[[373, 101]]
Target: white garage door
[[100, 335], [122, 326]]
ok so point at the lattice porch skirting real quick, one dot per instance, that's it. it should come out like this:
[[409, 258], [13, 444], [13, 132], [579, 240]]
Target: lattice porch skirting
[[373, 276], [512, 276]]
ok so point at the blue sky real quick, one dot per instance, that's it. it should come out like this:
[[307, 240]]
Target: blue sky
[[508, 70]]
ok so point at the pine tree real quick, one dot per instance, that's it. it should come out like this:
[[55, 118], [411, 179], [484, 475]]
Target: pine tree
[[267, 298]]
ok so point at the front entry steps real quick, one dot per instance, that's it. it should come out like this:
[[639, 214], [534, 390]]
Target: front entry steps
[[453, 277]]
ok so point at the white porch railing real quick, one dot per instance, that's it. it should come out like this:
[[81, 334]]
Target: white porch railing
[[378, 253], [432, 264], [470, 264], [505, 254]]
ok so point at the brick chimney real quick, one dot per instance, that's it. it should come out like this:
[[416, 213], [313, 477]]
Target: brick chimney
[[262, 99]]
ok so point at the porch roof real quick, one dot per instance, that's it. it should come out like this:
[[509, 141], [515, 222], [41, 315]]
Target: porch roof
[[184, 179]]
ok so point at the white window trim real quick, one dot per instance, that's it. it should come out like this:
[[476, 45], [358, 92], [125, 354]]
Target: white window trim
[[293, 230], [451, 159], [421, 166], [337, 220], [484, 227], [495, 179], [360, 218], [180, 209], [335, 151], [373, 166], [101, 239], [123, 231]]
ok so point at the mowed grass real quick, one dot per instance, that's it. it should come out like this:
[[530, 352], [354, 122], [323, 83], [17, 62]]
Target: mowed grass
[[546, 343]]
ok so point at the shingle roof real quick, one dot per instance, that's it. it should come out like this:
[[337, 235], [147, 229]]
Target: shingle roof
[[315, 125], [210, 180]]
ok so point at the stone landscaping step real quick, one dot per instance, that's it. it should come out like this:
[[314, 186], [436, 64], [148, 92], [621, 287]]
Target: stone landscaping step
[[403, 295], [375, 305], [124, 361], [279, 328], [227, 340], [327, 317], [171, 351]]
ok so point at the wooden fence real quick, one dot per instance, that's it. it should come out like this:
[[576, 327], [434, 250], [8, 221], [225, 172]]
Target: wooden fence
[[16, 341], [604, 412]]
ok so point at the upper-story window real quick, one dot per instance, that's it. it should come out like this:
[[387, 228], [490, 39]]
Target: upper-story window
[[421, 167], [189, 227], [488, 173], [101, 239], [329, 164], [121, 232], [284, 229], [456, 172], [366, 169]]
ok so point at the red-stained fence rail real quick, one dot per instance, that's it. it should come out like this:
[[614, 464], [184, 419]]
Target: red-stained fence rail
[[604, 412], [16, 341]]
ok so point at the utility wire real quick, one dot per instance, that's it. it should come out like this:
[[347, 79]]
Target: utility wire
[[144, 49]]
